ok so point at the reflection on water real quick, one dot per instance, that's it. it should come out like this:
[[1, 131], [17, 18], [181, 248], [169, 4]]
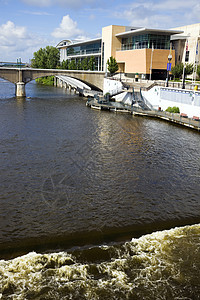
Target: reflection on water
[[71, 176]]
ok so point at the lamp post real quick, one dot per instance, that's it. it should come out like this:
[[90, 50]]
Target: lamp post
[[20, 61], [151, 61], [186, 60], [169, 64], [183, 84]]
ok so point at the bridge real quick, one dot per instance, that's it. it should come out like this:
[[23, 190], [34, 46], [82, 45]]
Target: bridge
[[21, 76]]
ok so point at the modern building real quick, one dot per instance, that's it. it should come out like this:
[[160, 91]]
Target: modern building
[[187, 44], [137, 50], [79, 50]]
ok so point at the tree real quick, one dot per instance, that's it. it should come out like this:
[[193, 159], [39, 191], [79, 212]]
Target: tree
[[177, 70], [189, 69], [78, 65], [91, 63], [198, 71], [65, 64], [72, 65], [112, 65], [84, 64], [46, 58]]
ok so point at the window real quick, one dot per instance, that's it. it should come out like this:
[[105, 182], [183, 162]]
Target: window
[[187, 56], [84, 49], [146, 41]]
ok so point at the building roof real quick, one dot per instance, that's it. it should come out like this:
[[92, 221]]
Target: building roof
[[179, 37], [147, 30], [65, 43]]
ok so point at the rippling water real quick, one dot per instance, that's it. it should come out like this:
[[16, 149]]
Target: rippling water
[[71, 177]]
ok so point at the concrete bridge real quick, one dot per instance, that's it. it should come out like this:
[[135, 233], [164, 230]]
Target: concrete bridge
[[21, 76]]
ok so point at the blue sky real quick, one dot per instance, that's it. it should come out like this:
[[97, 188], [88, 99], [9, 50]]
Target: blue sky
[[27, 25]]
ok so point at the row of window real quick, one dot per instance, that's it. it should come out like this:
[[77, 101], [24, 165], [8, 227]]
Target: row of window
[[134, 42], [147, 41], [84, 49]]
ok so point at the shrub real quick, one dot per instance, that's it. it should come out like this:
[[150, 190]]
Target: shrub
[[173, 109]]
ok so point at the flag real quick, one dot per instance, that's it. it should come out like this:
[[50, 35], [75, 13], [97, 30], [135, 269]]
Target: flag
[[197, 49], [186, 52]]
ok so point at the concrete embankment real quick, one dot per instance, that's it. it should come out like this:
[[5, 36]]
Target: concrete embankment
[[136, 111], [171, 117]]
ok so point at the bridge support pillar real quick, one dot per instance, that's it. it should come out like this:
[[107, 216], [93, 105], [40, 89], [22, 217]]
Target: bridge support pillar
[[20, 89], [55, 81]]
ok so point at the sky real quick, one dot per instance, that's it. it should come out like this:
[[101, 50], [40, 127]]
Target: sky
[[28, 25]]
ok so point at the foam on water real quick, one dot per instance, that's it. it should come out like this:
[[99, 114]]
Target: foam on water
[[161, 265]]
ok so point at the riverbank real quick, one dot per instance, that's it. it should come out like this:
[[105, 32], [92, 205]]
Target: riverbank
[[116, 107]]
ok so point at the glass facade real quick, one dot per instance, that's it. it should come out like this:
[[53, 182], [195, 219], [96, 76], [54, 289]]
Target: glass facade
[[84, 49], [146, 41], [80, 61]]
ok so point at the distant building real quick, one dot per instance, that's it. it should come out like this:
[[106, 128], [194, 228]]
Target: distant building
[[187, 44], [137, 50], [79, 50]]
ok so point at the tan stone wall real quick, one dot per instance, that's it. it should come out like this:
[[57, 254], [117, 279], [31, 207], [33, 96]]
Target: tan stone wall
[[111, 42], [139, 61], [159, 59], [135, 60]]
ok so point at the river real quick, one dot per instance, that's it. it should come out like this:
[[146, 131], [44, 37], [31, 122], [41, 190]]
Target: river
[[93, 204]]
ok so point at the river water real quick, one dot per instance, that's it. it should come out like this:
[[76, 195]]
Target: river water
[[95, 205]]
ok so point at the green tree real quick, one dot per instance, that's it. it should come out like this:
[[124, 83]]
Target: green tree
[[78, 65], [46, 58], [198, 71], [72, 65], [112, 65], [189, 69], [177, 70], [84, 64], [91, 63], [65, 64]]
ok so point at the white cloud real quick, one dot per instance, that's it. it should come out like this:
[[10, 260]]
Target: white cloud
[[162, 14], [15, 42], [68, 29], [9, 31]]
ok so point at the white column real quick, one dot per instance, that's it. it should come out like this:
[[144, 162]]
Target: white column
[[20, 89]]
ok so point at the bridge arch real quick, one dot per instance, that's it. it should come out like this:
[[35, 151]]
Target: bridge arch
[[93, 78], [92, 86], [22, 76]]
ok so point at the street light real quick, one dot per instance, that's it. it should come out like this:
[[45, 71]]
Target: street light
[[169, 65]]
